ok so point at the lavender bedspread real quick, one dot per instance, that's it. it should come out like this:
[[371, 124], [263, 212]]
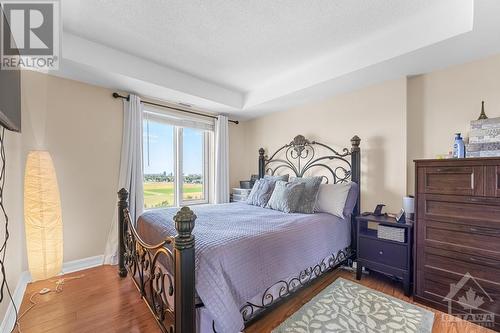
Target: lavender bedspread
[[242, 249]]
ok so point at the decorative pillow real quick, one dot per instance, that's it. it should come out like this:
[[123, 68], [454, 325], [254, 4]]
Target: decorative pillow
[[332, 198], [261, 192], [276, 178], [308, 199], [286, 196]]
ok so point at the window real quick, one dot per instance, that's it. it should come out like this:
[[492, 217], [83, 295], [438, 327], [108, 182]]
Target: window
[[176, 163]]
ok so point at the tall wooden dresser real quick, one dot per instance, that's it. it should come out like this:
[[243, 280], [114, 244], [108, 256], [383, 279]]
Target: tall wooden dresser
[[457, 232]]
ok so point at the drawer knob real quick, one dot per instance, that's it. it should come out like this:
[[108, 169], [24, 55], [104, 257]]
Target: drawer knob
[[484, 231], [381, 252]]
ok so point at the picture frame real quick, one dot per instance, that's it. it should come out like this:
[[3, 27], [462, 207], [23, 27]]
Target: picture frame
[[400, 217]]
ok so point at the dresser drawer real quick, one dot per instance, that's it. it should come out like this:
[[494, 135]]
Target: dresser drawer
[[455, 180], [475, 211], [383, 252], [492, 186], [484, 268], [436, 286], [455, 236]]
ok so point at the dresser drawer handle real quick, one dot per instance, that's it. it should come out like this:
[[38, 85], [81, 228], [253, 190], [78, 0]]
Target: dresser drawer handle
[[457, 170], [485, 262], [381, 252], [484, 200], [485, 231]]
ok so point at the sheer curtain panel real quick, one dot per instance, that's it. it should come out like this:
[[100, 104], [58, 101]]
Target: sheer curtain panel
[[221, 160], [131, 171]]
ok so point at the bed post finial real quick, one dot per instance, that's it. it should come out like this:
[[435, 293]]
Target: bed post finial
[[122, 205], [262, 163], [184, 304], [184, 224], [356, 160], [355, 141]]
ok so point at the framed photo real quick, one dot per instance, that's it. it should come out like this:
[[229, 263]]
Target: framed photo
[[400, 217]]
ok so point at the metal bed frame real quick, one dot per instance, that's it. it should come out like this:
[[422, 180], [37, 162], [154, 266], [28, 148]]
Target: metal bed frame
[[164, 273]]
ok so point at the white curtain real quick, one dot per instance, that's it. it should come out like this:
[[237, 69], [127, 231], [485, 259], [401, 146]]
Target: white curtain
[[131, 173], [221, 160]]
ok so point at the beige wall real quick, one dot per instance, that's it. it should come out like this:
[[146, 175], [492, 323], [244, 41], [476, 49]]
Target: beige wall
[[376, 114], [239, 166], [442, 103], [81, 126], [398, 121]]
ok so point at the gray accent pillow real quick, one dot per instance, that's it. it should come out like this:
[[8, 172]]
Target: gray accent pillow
[[285, 196], [261, 192], [276, 178], [308, 199]]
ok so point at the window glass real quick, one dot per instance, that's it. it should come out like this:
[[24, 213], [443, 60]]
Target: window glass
[[158, 159], [193, 164]]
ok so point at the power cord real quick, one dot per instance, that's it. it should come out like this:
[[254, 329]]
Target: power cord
[[3, 250], [58, 289]]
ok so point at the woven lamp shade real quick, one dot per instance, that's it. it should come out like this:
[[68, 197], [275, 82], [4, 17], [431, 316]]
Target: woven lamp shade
[[42, 216]]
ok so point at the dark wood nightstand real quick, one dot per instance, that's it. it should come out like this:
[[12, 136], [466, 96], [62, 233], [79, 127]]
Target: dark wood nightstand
[[389, 256]]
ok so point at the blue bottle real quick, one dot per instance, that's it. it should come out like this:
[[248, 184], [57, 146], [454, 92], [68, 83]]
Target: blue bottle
[[458, 147]]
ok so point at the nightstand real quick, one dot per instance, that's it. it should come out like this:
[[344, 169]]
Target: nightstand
[[240, 194], [385, 246]]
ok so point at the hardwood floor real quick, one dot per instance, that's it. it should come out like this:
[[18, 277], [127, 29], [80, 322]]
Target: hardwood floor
[[100, 301]]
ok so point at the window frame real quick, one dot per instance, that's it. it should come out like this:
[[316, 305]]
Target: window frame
[[178, 152]]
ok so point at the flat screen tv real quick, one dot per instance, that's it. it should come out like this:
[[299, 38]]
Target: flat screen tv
[[10, 97]]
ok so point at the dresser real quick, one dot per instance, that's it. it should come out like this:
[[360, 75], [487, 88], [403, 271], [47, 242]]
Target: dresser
[[457, 237]]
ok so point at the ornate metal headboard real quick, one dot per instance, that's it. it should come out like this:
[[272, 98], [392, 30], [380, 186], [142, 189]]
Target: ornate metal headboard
[[302, 156]]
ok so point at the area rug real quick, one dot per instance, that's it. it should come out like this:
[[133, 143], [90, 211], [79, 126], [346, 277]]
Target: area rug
[[345, 306]]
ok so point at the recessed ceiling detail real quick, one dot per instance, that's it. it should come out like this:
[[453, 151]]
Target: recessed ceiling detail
[[244, 57]]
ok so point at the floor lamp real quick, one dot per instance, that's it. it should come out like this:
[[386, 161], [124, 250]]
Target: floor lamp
[[42, 217]]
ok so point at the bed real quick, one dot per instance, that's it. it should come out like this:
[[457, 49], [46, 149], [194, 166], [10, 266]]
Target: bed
[[216, 268]]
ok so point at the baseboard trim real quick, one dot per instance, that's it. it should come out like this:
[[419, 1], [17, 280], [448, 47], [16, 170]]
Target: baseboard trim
[[78, 265], [10, 315], [25, 278]]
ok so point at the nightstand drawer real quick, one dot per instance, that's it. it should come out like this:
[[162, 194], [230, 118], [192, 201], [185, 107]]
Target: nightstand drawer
[[383, 252]]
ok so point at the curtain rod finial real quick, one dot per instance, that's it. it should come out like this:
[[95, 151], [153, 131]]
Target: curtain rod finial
[[116, 95]]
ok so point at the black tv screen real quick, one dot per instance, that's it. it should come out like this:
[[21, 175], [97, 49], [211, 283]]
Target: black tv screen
[[10, 97]]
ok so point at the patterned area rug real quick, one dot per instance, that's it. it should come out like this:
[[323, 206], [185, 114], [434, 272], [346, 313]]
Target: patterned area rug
[[345, 306]]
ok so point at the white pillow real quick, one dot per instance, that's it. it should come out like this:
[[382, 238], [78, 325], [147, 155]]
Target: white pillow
[[331, 198]]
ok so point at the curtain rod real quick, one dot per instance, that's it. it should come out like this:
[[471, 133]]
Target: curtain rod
[[117, 95]]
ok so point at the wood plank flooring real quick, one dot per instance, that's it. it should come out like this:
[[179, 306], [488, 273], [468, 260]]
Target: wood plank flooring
[[100, 301]]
